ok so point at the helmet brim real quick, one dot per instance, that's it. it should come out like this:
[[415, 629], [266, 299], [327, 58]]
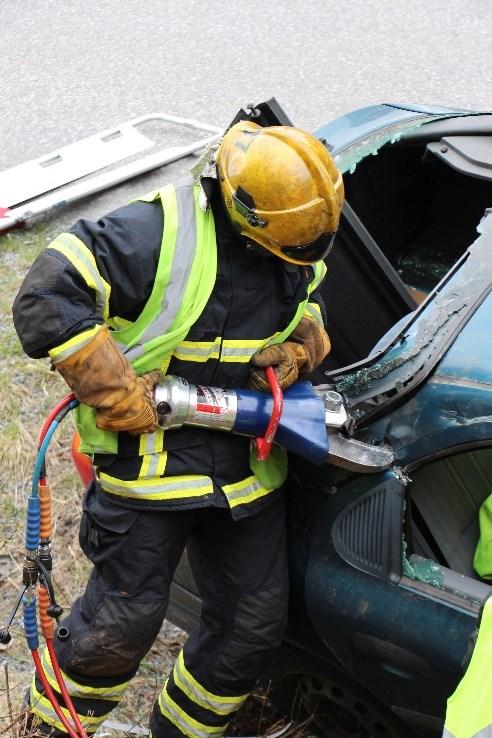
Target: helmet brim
[[310, 253]]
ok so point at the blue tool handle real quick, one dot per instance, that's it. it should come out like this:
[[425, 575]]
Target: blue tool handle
[[302, 427], [33, 520], [30, 622]]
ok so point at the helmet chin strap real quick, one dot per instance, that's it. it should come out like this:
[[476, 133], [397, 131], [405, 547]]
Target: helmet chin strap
[[262, 251], [258, 249]]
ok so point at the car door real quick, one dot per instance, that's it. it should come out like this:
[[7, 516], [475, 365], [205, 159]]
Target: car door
[[402, 637]]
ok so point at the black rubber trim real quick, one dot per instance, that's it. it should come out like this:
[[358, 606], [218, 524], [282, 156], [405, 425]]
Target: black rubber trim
[[368, 533]]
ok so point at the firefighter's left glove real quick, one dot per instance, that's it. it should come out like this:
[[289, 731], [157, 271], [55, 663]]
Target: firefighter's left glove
[[292, 359], [100, 376], [286, 358]]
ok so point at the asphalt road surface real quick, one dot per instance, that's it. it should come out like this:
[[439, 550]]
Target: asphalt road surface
[[71, 69]]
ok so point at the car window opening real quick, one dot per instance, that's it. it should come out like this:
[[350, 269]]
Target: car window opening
[[442, 527], [422, 215]]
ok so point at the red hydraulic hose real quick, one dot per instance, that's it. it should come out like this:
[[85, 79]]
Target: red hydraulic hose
[[47, 630], [45, 533], [63, 689], [51, 695], [264, 445], [52, 415]]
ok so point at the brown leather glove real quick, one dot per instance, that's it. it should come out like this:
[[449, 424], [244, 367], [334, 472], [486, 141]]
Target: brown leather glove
[[316, 343], [291, 359], [100, 376], [287, 358]]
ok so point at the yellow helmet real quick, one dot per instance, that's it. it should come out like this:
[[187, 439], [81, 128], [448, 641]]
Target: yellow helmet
[[281, 189]]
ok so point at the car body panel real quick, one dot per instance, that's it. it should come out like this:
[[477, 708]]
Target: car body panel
[[470, 356]]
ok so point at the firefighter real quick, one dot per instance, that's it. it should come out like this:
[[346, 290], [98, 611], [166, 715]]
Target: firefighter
[[469, 708], [211, 280]]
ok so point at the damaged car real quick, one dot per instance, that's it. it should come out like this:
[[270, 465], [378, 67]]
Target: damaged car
[[384, 595]]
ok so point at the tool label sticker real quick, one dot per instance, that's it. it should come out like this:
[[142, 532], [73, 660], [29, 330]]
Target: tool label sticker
[[211, 401]]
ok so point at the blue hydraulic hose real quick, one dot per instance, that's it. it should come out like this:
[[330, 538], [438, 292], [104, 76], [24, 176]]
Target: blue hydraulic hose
[[33, 521], [33, 508], [30, 622]]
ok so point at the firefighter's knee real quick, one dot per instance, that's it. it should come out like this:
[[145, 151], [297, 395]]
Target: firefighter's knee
[[116, 638], [259, 626]]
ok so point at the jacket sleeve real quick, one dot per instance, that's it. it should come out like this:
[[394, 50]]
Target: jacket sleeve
[[94, 271]]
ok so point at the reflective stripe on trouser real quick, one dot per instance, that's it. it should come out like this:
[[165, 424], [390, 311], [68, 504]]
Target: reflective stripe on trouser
[[75, 689], [218, 704], [211, 712], [92, 709], [186, 724]]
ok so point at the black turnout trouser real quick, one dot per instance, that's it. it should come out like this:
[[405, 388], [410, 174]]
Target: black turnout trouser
[[241, 571]]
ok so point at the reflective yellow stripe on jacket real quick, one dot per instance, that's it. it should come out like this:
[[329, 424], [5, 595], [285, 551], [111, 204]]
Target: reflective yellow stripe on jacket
[[64, 350], [313, 311], [247, 490], [82, 259], [198, 350], [159, 488], [227, 350]]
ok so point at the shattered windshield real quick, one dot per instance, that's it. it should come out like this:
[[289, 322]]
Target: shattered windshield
[[348, 157]]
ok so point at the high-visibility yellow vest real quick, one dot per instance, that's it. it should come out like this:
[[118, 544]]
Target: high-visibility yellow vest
[[469, 710], [184, 281], [482, 561]]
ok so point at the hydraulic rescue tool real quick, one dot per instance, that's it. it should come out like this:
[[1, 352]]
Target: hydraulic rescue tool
[[311, 422], [308, 425]]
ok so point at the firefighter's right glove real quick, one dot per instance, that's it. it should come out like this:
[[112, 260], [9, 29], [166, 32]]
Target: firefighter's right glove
[[100, 376], [291, 359], [287, 359]]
